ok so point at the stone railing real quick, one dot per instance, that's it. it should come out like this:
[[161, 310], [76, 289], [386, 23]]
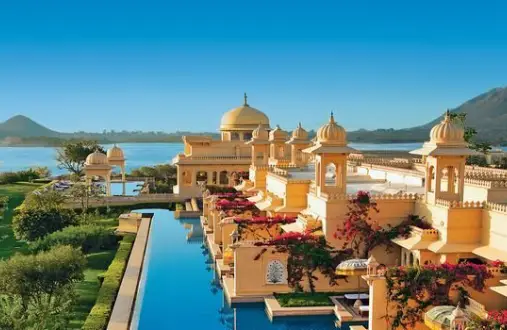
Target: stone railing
[[486, 170], [486, 184], [374, 197], [497, 207], [476, 308], [488, 176], [425, 234], [219, 157], [396, 163], [460, 204]]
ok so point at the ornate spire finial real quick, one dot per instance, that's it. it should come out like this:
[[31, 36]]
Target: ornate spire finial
[[299, 125], [331, 119], [447, 115], [245, 99]]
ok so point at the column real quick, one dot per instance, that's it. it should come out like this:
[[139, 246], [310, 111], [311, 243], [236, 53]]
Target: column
[[123, 179], [193, 174], [210, 178], [377, 304]]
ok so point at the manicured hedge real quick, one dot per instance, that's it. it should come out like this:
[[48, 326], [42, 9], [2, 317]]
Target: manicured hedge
[[101, 312], [87, 237], [304, 299], [105, 210]]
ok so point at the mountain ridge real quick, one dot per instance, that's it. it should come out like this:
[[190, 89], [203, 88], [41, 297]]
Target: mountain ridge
[[486, 112]]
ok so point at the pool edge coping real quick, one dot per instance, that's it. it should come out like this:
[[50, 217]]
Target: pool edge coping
[[123, 308]]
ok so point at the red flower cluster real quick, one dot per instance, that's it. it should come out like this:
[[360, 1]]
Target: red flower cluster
[[228, 195], [362, 197], [225, 204], [499, 318], [291, 238], [266, 220]]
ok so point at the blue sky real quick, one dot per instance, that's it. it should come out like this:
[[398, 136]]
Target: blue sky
[[178, 65]]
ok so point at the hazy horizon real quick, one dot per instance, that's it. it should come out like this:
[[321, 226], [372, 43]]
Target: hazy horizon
[[161, 66]]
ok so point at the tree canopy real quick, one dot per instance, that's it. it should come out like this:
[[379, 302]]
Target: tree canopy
[[72, 155]]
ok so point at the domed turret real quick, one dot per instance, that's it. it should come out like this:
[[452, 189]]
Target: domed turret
[[243, 118], [299, 133], [278, 134], [115, 153], [96, 158], [260, 133], [332, 133], [447, 132]]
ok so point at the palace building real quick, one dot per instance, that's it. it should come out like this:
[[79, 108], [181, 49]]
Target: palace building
[[277, 175]]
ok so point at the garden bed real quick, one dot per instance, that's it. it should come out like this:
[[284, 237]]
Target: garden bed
[[305, 299]]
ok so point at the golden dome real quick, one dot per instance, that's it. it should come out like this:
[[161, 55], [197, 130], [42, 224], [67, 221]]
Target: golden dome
[[243, 118], [447, 132], [332, 133], [260, 133], [115, 153], [96, 158], [278, 134], [300, 133]]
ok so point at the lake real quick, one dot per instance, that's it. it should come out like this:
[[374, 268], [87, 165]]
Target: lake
[[137, 154]]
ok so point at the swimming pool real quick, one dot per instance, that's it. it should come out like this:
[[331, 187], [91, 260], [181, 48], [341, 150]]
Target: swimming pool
[[179, 288]]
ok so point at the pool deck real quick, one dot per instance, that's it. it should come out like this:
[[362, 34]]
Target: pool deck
[[124, 305], [230, 295], [214, 248], [222, 269]]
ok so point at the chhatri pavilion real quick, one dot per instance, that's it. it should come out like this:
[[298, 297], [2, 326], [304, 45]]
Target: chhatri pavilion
[[273, 177]]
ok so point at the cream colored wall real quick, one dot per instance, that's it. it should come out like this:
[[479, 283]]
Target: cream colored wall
[[392, 212], [297, 195], [220, 148], [494, 229], [250, 274], [391, 175], [474, 193], [276, 185]]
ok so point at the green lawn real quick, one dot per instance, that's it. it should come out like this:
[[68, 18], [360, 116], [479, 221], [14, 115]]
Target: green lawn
[[98, 262], [16, 193], [305, 299], [88, 289]]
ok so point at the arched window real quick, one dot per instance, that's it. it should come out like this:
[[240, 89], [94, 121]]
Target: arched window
[[444, 180], [202, 176], [276, 272], [281, 152], [234, 136], [431, 179], [224, 179], [330, 176]]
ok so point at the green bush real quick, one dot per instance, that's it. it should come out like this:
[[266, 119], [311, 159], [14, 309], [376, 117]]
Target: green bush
[[20, 176], [304, 299], [87, 237], [32, 224], [101, 312]]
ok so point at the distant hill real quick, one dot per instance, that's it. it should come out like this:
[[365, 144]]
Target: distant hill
[[487, 113], [21, 130], [22, 127]]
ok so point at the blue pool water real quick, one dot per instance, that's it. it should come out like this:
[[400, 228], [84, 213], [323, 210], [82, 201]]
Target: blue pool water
[[179, 288], [130, 187]]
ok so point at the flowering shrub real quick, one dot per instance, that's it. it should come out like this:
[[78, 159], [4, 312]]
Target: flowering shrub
[[261, 228], [497, 320], [224, 204], [429, 285], [361, 233], [306, 253]]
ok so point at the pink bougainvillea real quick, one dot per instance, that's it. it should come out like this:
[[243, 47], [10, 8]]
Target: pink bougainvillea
[[430, 285]]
